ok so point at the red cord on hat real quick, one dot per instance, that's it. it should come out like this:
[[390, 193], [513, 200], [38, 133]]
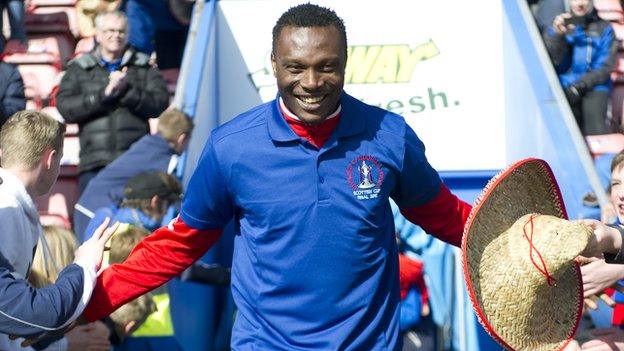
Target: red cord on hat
[[543, 269]]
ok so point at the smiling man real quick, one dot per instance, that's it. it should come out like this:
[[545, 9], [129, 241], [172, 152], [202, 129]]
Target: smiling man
[[307, 178], [110, 93]]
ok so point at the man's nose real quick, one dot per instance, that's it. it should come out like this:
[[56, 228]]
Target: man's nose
[[311, 79]]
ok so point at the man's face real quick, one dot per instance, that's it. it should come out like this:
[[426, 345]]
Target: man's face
[[617, 191], [113, 36], [580, 7], [309, 64]]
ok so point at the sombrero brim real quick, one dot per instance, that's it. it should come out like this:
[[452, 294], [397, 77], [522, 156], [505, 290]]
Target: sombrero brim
[[525, 187]]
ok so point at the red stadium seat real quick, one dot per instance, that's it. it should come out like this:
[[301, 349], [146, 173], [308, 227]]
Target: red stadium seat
[[608, 5], [606, 143], [41, 49], [54, 219], [39, 79], [39, 3], [618, 29], [612, 16], [62, 197], [52, 19]]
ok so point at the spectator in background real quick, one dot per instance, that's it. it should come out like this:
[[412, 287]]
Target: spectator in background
[[12, 97], [45, 270], [111, 93], [583, 48], [153, 27], [146, 199], [157, 152], [15, 12]]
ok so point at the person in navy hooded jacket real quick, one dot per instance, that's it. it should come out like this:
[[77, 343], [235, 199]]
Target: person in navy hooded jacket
[[583, 49]]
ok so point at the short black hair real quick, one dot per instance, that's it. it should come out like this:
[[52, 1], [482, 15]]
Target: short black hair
[[309, 15]]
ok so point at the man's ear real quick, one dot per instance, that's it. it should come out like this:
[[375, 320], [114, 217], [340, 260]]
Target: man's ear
[[181, 141], [155, 203], [273, 64], [48, 158]]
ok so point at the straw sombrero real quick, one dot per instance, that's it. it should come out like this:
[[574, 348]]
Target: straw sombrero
[[518, 260]]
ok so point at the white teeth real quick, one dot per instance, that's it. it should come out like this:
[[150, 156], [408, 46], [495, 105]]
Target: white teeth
[[311, 100]]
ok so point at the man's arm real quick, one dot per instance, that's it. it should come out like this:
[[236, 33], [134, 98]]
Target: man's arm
[[157, 259], [444, 216], [424, 200], [147, 100], [14, 99], [26, 311]]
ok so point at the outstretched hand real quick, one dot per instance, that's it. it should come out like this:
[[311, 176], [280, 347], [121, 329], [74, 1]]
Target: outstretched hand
[[93, 249]]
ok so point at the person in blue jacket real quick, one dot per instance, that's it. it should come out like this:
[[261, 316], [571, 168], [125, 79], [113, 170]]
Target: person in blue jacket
[[29, 312], [583, 49], [154, 152]]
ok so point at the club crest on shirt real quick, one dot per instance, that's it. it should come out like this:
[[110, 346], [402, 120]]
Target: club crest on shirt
[[365, 176]]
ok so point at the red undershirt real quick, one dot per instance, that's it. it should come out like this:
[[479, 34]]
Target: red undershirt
[[316, 134]]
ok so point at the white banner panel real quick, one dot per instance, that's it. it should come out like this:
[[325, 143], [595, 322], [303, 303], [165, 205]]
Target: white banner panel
[[437, 63]]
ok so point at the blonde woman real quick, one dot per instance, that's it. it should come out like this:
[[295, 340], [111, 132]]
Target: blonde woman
[[61, 245]]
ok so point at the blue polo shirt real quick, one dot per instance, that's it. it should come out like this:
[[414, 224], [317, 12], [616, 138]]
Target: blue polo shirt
[[315, 260]]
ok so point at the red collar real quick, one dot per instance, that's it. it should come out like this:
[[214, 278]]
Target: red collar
[[316, 134]]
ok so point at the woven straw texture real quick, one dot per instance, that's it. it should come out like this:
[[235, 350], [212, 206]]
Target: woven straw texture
[[512, 297]]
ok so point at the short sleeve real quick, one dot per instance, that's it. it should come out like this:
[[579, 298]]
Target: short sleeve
[[418, 182], [207, 202]]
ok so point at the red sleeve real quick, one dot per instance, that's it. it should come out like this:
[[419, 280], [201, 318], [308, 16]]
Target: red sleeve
[[155, 260], [443, 217]]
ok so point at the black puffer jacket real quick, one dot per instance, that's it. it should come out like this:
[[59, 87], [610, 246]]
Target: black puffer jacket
[[109, 126]]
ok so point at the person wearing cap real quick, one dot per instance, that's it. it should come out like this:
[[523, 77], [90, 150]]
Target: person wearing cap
[[153, 152], [147, 196], [146, 199]]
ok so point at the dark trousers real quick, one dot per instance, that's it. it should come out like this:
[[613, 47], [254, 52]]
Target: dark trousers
[[85, 177], [591, 112]]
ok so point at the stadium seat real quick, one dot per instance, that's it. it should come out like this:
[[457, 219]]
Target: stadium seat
[[618, 29], [612, 16], [42, 49], [608, 6], [61, 198], [39, 3], [54, 219], [606, 143], [39, 79], [52, 19]]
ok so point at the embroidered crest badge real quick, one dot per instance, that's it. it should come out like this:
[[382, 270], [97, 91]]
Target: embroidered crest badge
[[365, 176]]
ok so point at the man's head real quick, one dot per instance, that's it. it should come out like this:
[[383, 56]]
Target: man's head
[[581, 7], [176, 127], [617, 185], [111, 32], [32, 142], [152, 192], [309, 58]]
